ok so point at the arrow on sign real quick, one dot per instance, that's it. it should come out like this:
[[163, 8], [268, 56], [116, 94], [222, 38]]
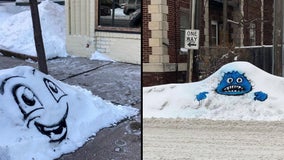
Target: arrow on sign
[[191, 44]]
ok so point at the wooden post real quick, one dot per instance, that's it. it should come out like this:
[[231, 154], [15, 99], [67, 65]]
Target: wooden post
[[38, 37]]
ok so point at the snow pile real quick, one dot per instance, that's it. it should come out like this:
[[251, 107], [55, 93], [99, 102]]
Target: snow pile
[[101, 57], [4, 13], [179, 100], [9, 9], [47, 118], [16, 33]]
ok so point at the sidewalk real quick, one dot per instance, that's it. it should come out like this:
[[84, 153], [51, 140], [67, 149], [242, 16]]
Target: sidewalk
[[117, 82]]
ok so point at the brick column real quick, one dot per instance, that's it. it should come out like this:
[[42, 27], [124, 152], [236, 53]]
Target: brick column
[[159, 31]]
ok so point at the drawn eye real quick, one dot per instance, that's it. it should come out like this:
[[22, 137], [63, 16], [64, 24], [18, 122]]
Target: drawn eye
[[55, 91], [229, 80], [52, 87], [26, 99], [239, 80]]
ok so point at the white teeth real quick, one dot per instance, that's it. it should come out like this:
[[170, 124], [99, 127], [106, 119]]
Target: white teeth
[[234, 88]]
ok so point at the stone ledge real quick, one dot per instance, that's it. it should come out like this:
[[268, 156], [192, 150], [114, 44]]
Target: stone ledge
[[163, 67]]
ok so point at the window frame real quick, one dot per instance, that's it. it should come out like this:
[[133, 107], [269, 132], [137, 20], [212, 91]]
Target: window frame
[[112, 28], [252, 34], [214, 23]]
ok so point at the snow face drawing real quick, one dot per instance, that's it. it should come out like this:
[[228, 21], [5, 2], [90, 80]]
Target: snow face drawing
[[48, 114], [234, 84]]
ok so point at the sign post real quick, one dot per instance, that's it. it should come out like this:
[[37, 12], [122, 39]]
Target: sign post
[[38, 37], [191, 43]]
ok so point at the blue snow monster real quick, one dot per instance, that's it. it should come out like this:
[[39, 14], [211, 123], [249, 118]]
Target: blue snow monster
[[234, 84]]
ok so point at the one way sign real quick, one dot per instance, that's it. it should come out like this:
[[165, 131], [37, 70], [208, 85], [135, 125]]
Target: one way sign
[[191, 39]]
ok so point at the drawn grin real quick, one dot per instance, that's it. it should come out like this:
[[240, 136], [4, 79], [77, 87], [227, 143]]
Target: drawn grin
[[56, 132]]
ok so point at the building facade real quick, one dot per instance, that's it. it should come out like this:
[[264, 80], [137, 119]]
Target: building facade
[[164, 23], [101, 25]]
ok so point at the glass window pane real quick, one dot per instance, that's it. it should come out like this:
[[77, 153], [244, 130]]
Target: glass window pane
[[115, 13]]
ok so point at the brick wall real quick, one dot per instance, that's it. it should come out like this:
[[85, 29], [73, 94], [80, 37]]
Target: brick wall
[[146, 33], [150, 79], [122, 47], [174, 30]]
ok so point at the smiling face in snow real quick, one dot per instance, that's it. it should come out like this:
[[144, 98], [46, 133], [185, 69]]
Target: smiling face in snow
[[234, 83], [48, 114]]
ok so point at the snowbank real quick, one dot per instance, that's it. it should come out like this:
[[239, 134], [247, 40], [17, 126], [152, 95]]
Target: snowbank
[[101, 57], [179, 100], [16, 32], [42, 118]]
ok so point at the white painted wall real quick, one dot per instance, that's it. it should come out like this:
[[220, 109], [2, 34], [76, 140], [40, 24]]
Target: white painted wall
[[82, 39]]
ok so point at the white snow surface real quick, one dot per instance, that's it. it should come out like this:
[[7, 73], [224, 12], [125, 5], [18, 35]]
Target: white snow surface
[[179, 100], [101, 57], [28, 97], [16, 30]]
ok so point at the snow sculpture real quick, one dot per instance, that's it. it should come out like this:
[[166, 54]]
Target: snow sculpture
[[234, 84], [49, 117]]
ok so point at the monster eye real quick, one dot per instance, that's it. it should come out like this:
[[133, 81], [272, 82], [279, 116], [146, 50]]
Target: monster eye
[[26, 99], [239, 80], [229, 80], [55, 91]]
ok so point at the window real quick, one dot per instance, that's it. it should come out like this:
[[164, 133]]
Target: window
[[119, 14], [214, 39], [184, 24], [252, 34]]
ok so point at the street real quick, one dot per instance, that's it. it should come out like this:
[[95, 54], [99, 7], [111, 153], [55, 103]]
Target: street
[[207, 139]]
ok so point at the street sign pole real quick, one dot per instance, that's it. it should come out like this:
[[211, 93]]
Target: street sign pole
[[190, 55], [191, 43], [38, 37]]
